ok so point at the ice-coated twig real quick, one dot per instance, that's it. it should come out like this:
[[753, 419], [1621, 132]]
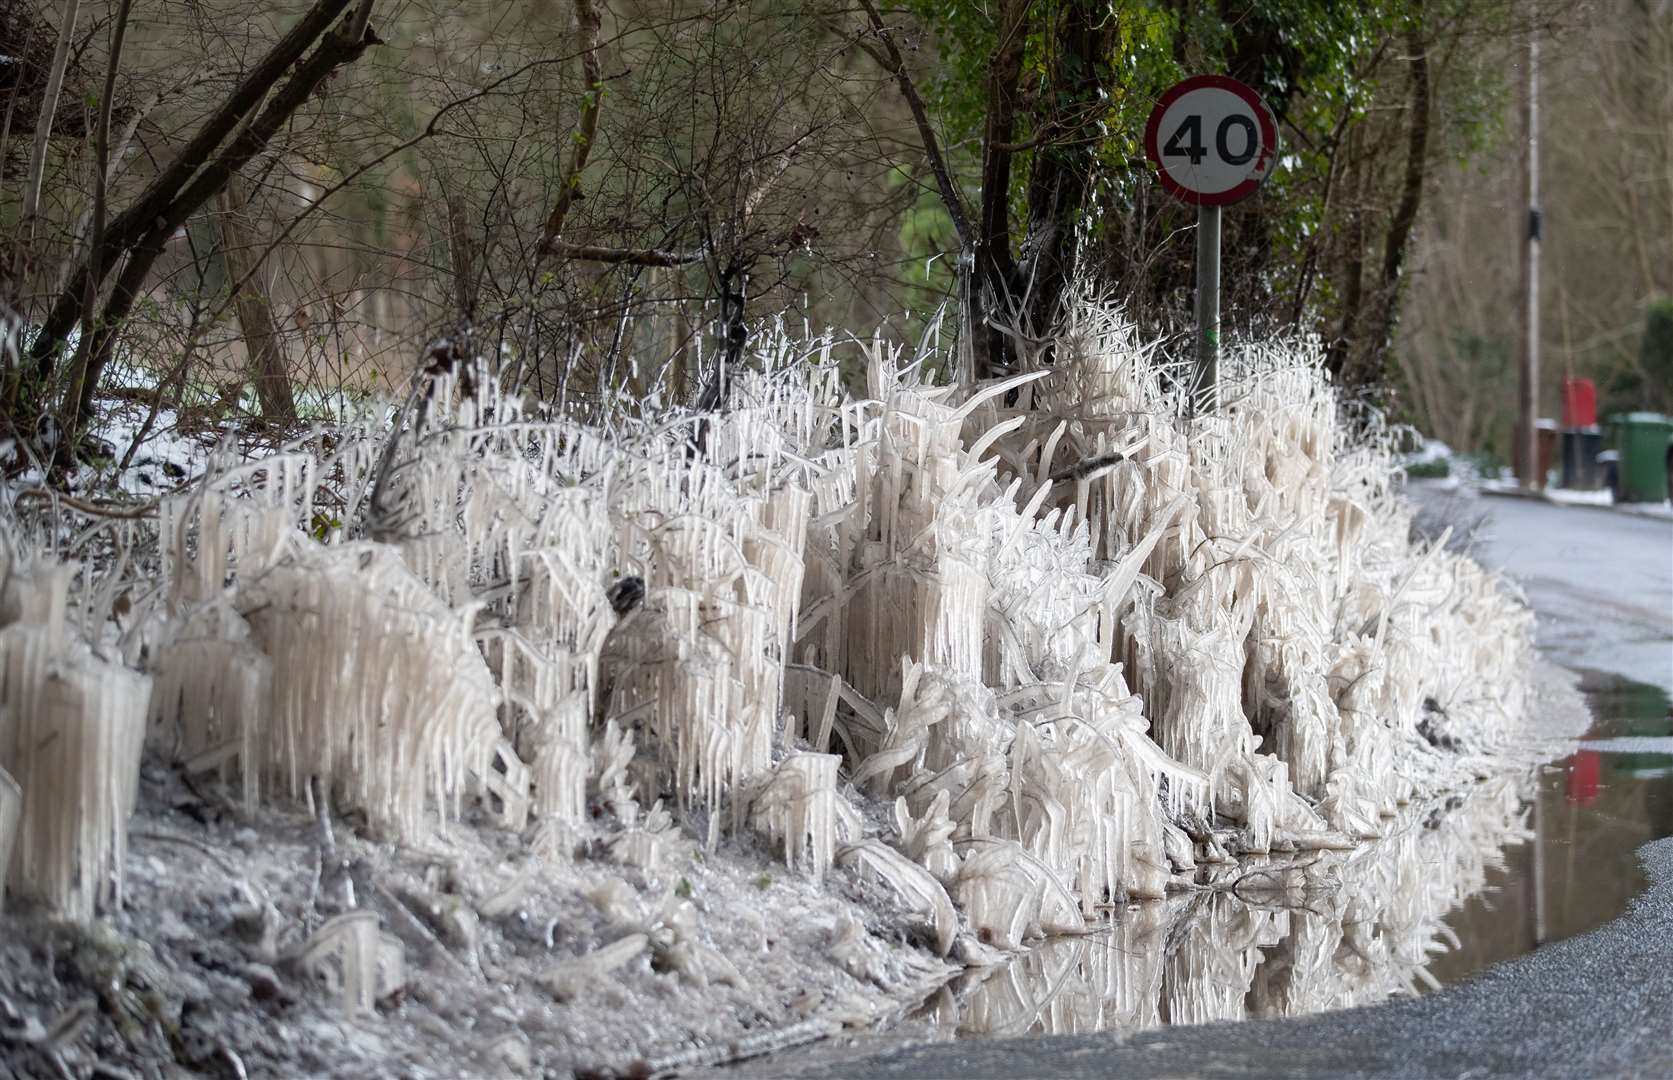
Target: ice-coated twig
[[911, 882], [568, 980], [415, 926], [352, 958]]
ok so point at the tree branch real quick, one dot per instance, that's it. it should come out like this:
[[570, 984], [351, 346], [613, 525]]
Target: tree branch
[[128, 227], [335, 50], [43, 132], [626, 256], [896, 66], [587, 27]]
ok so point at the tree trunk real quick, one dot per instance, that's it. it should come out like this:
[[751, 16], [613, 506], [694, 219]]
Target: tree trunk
[[1375, 355], [266, 365], [680, 336], [1340, 352], [1062, 174], [43, 133], [993, 268], [343, 46]]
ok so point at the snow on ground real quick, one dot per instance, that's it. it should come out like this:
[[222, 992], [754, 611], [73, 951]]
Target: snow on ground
[[206, 961], [1564, 497], [1434, 460], [1600, 499]]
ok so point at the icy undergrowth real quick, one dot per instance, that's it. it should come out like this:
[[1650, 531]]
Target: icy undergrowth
[[1075, 644]]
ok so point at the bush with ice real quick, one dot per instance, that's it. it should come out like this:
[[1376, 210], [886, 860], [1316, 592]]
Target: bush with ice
[[1014, 652]]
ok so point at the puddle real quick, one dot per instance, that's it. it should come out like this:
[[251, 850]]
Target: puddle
[[1474, 880], [1594, 809]]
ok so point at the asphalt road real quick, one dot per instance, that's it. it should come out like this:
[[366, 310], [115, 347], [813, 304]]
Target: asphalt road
[[1601, 581], [1597, 1005]]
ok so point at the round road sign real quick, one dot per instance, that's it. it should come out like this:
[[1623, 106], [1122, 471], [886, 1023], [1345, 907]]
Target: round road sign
[[1213, 139]]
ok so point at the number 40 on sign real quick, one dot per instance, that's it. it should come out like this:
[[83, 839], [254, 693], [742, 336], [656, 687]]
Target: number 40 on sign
[[1213, 140]]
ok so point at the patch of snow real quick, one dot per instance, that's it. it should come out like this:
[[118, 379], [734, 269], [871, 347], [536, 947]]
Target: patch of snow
[[1630, 744], [1570, 497], [1431, 451]]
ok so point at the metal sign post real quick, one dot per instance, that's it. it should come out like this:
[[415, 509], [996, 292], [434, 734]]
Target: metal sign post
[[1205, 387], [1213, 141]]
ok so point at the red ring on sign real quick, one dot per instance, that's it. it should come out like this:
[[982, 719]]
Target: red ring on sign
[[1263, 115]]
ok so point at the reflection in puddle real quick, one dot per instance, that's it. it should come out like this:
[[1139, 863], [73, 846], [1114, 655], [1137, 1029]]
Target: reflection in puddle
[[1595, 809], [1326, 931], [1477, 879]]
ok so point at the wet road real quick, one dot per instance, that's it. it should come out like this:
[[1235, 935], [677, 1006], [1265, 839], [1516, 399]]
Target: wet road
[[1601, 581]]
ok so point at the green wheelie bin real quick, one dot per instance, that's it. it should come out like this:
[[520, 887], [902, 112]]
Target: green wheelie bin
[[1644, 441]]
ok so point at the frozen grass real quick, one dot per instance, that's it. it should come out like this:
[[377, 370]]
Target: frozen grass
[[1010, 656]]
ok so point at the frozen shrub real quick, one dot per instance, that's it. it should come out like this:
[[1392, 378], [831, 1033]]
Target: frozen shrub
[[1080, 641], [378, 688], [72, 727]]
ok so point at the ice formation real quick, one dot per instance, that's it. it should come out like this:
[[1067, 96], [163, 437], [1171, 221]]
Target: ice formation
[[798, 804], [11, 809], [914, 883], [354, 960], [1078, 644], [72, 727], [1299, 937]]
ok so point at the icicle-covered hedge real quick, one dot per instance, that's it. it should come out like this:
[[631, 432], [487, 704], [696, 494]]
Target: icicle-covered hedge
[[1016, 651]]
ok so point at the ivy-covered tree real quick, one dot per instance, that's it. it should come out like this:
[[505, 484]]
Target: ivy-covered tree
[[1037, 108]]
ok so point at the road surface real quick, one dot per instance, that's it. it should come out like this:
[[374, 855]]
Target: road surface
[[1596, 1005], [1601, 581]]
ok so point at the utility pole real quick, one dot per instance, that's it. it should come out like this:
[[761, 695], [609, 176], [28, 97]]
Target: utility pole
[[1529, 432]]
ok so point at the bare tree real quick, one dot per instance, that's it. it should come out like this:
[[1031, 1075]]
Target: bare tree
[[1608, 193], [239, 129], [267, 367]]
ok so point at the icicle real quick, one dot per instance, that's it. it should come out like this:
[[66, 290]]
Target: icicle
[[211, 694], [375, 688], [797, 806], [11, 809], [351, 958], [71, 732], [927, 839], [508, 781]]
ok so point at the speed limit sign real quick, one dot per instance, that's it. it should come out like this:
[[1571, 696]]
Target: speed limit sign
[[1213, 140]]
